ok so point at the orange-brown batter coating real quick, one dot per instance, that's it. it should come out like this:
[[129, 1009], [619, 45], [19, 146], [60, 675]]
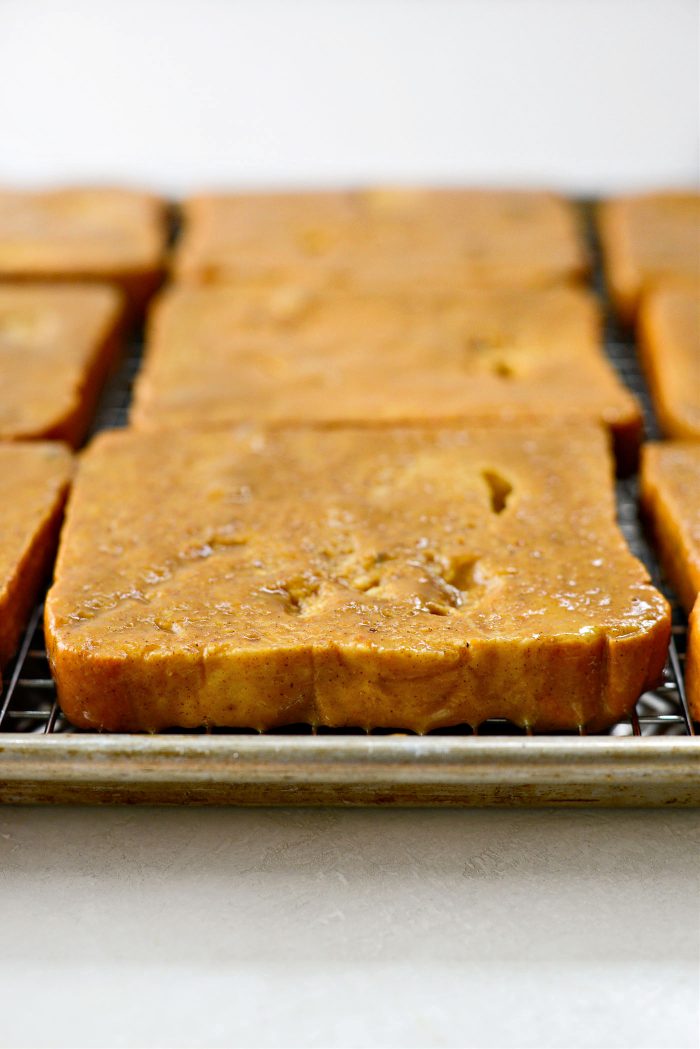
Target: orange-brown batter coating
[[692, 662], [670, 489], [408, 240], [220, 355], [648, 239], [670, 493], [401, 578], [34, 479], [57, 344], [670, 350], [112, 235]]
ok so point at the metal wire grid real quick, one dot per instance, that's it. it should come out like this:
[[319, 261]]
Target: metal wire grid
[[28, 702]]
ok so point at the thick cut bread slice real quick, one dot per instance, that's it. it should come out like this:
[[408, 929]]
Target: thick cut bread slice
[[34, 479], [400, 578], [670, 492], [646, 240], [57, 344], [111, 235], [692, 662], [383, 240], [670, 350], [218, 355]]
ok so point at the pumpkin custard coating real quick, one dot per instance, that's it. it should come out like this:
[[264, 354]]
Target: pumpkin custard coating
[[34, 480], [57, 345], [383, 240], [220, 355], [403, 578]]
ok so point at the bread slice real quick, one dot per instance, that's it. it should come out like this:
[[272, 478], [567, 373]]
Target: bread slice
[[670, 492], [647, 239], [220, 355], [57, 344], [670, 351], [401, 578], [112, 235], [692, 662], [34, 479], [381, 239]]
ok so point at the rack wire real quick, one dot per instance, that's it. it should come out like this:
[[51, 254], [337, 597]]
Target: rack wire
[[28, 702]]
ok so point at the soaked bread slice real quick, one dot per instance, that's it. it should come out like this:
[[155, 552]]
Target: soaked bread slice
[[670, 489], [670, 492], [112, 235], [34, 479], [648, 239], [411, 579], [670, 351], [57, 344], [218, 355], [381, 239], [692, 662]]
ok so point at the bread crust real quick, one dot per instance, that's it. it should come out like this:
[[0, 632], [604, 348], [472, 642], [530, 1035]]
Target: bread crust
[[692, 662], [58, 345], [670, 494], [669, 342], [34, 480], [648, 239]]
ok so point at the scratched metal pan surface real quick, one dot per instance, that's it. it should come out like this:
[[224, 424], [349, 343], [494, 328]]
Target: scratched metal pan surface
[[345, 771], [648, 759]]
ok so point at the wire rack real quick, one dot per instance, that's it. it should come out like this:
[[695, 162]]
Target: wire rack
[[28, 702]]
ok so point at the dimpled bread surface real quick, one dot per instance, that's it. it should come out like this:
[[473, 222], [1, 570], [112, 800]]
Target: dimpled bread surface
[[646, 240], [34, 479], [216, 354], [114, 235], [57, 343], [670, 350], [381, 239], [401, 578]]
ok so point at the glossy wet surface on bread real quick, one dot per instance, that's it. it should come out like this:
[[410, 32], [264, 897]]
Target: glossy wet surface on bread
[[216, 354], [381, 239], [56, 345], [409, 579], [670, 351], [33, 482]]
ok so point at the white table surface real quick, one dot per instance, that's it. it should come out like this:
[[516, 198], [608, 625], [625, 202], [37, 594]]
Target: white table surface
[[157, 927]]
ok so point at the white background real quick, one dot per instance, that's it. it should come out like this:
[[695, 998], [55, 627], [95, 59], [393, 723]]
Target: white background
[[269, 928], [582, 94]]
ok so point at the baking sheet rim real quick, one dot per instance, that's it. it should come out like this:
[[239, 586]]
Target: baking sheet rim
[[353, 769]]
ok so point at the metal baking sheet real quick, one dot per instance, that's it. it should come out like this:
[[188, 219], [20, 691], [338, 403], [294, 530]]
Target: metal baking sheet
[[403, 771], [650, 758]]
